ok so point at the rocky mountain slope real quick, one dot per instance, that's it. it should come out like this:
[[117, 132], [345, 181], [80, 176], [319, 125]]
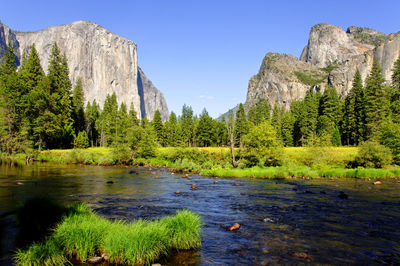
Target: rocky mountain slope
[[105, 62], [331, 56]]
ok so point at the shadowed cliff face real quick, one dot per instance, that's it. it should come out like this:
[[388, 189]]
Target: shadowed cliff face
[[332, 56], [105, 62]]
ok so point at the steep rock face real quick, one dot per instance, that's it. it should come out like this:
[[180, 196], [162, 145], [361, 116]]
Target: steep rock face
[[279, 80], [151, 98], [7, 36], [105, 62], [331, 50]]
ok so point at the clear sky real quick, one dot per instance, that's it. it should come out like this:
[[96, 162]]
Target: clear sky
[[203, 53]]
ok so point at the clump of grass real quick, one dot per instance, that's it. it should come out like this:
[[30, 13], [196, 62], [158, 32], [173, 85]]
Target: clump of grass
[[183, 230], [83, 234], [47, 253], [139, 242]]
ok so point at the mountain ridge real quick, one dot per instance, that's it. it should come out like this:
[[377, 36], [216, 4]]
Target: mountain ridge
[[331, 57]]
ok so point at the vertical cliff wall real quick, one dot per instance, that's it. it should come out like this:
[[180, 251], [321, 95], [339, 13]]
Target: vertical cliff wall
[[106, 63]]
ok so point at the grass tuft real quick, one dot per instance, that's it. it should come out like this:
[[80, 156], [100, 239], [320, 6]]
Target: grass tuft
[[83, 234]]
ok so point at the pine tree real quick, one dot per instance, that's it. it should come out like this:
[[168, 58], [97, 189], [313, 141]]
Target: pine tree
[[241, 125], [133, 115], [231, 135], [173, 131], [92, 114], [158, 128], [10, 97], [309, 117], [204, 130], [286, 129], [376, 103], [259, 112], [187, 124], [395, 98], [60, 98], [353, 121], [108, 121], [275, 116], [328, 120], [147, 146], [78, 113], [36, 94]]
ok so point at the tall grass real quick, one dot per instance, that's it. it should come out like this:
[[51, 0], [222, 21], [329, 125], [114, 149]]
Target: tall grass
[[84, 234]]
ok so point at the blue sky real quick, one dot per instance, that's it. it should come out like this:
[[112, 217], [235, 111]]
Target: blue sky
[[203, 53]]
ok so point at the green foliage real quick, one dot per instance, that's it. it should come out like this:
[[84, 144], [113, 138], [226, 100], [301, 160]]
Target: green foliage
[[376, 101], [373, 155], [310, 78], [83, 234], [390, 137], [258, 113], [82, 140], [374, 39], [262, 146], [204, 130], [286, 128], [187, 125], [159, 128], [395, 96], [241, 125], [173, 132], [147, 146], [78, 113]]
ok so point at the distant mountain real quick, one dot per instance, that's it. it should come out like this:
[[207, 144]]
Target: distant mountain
[[331, 57], [105, 62], [234, 109]]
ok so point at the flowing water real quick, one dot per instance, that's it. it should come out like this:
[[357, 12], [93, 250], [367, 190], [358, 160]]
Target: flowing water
[[282, 221]]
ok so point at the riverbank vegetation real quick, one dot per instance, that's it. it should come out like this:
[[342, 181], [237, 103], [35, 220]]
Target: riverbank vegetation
[[81, 234], [41, 113]]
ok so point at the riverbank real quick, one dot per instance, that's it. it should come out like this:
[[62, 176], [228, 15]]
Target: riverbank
[[82, 236], [297, 162]]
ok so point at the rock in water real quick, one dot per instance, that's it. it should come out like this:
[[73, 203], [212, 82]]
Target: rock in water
[[343, 195], [95, 260], [105, 62], [301, 255], [232, 228]]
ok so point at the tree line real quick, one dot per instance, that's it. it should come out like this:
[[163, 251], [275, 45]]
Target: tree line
[[41, 110]]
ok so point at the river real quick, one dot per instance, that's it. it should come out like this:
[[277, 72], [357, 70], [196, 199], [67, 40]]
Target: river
[[282, 221]]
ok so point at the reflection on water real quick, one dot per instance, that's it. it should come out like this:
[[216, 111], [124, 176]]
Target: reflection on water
[[282, 222]]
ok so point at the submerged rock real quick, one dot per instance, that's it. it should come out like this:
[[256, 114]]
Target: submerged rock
[[343, 195], [232, 228], [194, 187], [301, 255]]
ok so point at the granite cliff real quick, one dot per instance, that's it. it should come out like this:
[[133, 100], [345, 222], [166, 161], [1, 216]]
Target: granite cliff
[[105, 62], [331, 57]]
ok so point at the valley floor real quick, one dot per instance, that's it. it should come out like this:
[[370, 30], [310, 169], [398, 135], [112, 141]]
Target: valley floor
[[298, 162]]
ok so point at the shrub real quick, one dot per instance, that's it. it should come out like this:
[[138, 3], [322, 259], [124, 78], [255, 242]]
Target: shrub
[[121, 153], [390, 137], [371, 154], [147, 146], [262, 146], [82, 140]]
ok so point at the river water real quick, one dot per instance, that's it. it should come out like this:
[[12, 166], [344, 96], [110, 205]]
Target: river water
[[282, 221]]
